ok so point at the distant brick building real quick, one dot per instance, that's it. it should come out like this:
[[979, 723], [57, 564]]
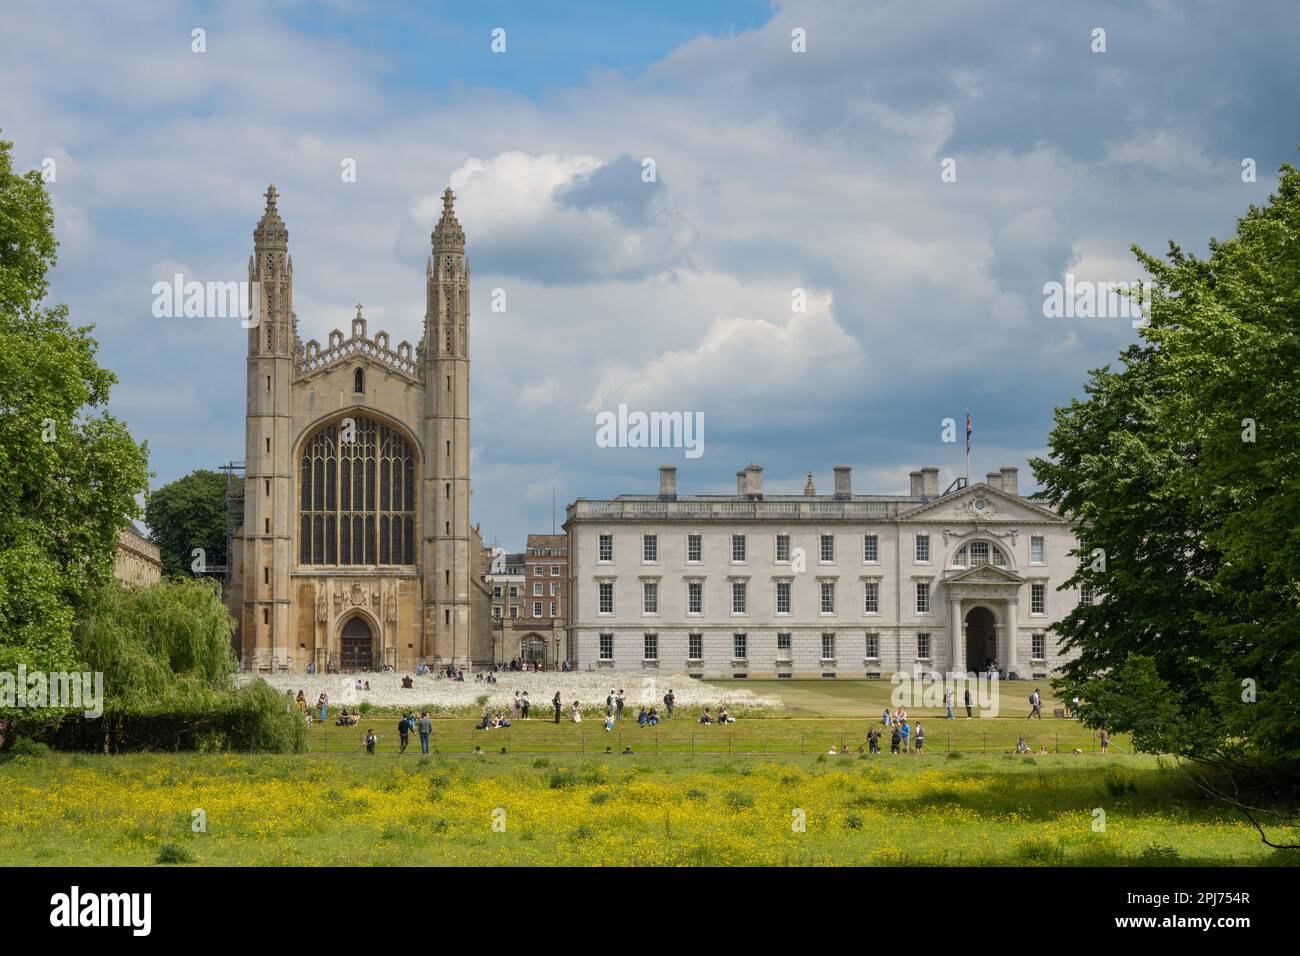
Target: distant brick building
[[538, 632]]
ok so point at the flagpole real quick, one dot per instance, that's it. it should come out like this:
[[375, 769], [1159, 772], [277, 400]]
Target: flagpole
[[968, 431]]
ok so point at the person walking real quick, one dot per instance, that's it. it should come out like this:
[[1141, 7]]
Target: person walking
[[907, 737], [1035, 705], [618, 705], [895, 737], [947, 702], [524, 705], [920, 737], [968, 703], [371, 740], [403, 733], [1104, 736], [669, 700], [555, 702], [425, 728]]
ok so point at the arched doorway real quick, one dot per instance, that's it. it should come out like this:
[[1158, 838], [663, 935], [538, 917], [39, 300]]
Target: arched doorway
[[533, 649], [357, 646], [981, 639]]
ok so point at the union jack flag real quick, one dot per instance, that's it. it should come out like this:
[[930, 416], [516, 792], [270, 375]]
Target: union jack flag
[[968, 431]]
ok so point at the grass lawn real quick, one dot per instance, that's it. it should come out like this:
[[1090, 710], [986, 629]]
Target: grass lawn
[[683, 735], [867, 698], [615, 810]]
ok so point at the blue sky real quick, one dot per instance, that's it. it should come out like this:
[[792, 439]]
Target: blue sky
[[776, 170]]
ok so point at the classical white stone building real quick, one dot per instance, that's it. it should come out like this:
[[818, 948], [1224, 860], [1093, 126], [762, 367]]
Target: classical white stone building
[[838, 585]]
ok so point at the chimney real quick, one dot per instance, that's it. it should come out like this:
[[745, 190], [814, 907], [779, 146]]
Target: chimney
[[1011, 480], [667, 482], [930, 481], [750, 482], [918, 486], [994, 479], [843, 482]]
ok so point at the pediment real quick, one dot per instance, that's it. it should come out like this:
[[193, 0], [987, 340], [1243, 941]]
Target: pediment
[[982, 504], [984, 574]]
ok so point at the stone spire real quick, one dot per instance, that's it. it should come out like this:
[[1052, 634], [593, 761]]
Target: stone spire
[[808, 489], [447, 236], [270, 234]]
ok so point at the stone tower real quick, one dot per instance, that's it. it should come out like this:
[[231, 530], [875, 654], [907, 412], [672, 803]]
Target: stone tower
[[265, 544], [449, 560]]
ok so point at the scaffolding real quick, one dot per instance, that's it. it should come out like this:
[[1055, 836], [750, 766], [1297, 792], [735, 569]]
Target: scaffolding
[[234, 518]]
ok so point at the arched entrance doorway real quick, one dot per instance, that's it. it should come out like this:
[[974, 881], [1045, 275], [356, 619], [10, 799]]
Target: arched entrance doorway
[[357, 646], [533, 649], [981, 639]]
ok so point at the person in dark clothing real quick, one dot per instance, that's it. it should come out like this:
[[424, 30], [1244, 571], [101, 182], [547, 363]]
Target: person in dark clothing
[[426, 728], [555, 702], [895, 739], [403, 733], [669, 700], [968, 703], [371, 739]]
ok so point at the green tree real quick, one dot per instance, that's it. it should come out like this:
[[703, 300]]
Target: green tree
[[71, 470], [189, 513], [1183, 466]]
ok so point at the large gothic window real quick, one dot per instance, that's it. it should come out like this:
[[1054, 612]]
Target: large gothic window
[[356, 496]]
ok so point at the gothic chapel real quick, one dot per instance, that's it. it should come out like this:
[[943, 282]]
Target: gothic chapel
[[356, 549]]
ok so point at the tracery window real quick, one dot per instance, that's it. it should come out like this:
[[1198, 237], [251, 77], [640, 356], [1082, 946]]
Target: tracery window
[[356, 498], [979, 552]]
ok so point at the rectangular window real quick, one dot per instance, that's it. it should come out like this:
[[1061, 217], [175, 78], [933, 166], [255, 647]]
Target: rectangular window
[[695, 647], [873, 647], [606, 597], [738, 548], [782, 548], [828, 597], [537, 589], [694, 548], [1085, 594], [650, 597], [922, 549], [1037, 550], [922, 597], [652, 647], [739, 646], [783, 642], [607, 647], [828, 647], [514, 591], [782, 597], [514, 612], [872, 603], [650, 548], [694, 597], [496, 591], [979, 552], [1038, 646], [555, 570], [606, 550], [827, 552], [870, 548], [552, 609], [496, 611], [923, 647], [1037, 599], [555, 589], [537, 609], [738, 597]]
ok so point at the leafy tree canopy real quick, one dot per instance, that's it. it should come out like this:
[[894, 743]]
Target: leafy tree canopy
[[189, 513], [1183, 466], [71, 470]]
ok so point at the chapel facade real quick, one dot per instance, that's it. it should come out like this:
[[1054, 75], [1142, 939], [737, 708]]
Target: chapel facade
[[356, 549]]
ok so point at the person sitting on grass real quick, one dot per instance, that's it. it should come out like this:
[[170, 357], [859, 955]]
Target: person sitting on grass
[[1021, 746], [886, 720], [503, 719], [832, 752], [576, 713], [705, 718], [652, 718], [642, 718], [724, 717], [371, 740], [485, 723]]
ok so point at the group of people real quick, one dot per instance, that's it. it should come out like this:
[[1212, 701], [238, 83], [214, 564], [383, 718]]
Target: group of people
[[722, 717], [405, 727], [518, 711], [347, 720]]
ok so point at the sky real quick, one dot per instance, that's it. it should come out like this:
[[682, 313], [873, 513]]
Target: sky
[[919, 170]]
